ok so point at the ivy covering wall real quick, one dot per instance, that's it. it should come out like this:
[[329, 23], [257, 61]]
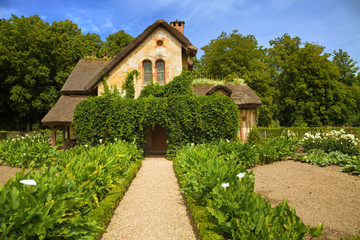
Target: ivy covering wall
[[185, 117]]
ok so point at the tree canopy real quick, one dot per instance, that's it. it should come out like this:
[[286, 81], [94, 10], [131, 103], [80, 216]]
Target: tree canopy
[[297, 82], [35, 60]]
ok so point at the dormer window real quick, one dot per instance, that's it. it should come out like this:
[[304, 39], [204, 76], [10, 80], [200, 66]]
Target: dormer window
[[147, 71], [160, 71]]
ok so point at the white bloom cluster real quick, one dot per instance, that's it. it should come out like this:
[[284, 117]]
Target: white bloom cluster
[[339, 135]]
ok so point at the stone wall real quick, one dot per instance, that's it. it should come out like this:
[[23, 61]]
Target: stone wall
[[170, 52]]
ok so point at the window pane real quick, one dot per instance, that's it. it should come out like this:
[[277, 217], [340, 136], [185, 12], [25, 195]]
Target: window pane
[[160, 77], [160, 66], [147, 77], [147, 67]]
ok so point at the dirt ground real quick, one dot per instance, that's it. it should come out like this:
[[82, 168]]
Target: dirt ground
[[6, 172], [319, 195]]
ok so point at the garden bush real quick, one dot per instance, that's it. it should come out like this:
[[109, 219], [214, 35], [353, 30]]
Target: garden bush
[[333, 140], [271, 132], [278, 148], [30, 151], [319, 157], [186, 119], [59, 206], [225, 189]]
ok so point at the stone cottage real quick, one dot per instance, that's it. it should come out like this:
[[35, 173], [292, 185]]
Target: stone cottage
[[159, 54]]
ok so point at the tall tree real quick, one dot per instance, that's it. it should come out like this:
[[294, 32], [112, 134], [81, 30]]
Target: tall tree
[[36, 59], [116, 42], [236, 56], [347, 67], [309, 91]]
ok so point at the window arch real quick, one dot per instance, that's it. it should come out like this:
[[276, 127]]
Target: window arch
[[160, 71], [147, 69]]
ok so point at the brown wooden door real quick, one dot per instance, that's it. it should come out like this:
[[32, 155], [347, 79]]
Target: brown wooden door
[[159, 138]]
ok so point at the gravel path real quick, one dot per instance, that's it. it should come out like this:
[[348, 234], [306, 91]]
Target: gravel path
[[319, 194], [153, 207]]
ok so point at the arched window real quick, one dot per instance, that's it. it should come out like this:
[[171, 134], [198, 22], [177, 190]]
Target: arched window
[[160, 71], [147, 71]]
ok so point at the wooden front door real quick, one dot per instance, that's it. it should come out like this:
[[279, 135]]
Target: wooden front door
[[158, 139]]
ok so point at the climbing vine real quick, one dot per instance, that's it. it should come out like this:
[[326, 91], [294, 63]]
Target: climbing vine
[[185, 117]]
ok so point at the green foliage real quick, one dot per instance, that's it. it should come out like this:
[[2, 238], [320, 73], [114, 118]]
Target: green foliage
[[347, 67], [346, 143], [310, 94], [185, 117], [272, 132], [253, 137], [128, 85], [179, 86], [210, 181], [104, 212], [232, 56], [115, 43], [276, 149], [61, 204], [32, 151], [35, 60], [318, 157]]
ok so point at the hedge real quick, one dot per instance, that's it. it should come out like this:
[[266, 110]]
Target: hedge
[[186, 119], [103, 214], [267, 132]]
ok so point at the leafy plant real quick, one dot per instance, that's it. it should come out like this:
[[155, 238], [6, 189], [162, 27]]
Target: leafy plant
[[128, 85], [185, 117], [318, 157], [211, 179], [31, 151], [65, 194], [253, 137]]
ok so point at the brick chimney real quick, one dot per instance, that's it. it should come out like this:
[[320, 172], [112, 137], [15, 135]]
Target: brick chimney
[[179, 25]]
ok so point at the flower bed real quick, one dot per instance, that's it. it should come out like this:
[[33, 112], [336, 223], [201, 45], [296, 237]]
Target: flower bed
[[220, 194], [64, 202]]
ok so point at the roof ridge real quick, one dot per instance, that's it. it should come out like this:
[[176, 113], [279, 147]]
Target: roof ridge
[[190, 49]]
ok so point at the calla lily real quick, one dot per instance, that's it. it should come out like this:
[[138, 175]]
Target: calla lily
[[241, 175], [28, 182], [225, 185], [100, 140]]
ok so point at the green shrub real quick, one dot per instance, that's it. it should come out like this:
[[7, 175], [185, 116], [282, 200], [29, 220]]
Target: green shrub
[[186, 119], [253, 137], [318, 157], [276, 149], [67, 192], [346, 143], [223, 186], [30, 151]]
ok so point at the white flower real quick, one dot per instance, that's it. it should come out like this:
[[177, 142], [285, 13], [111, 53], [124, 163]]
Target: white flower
[[228, 140], [100, 141], [24, 154], [192, 144], [225, 185], [28, 182], [241, 175], [86, 145]]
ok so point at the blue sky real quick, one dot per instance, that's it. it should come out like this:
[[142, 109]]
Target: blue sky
[[334, 24]]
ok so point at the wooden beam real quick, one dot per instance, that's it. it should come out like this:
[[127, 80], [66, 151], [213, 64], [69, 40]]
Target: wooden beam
[[54, 136], [63, 135]]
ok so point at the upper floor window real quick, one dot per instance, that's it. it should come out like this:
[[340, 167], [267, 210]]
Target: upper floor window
[[160, 71], [147, 72]]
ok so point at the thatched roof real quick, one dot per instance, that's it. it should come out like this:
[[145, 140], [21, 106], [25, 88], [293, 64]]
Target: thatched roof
[[242, 94], [186, 45], [84, 71], [62, 112]]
